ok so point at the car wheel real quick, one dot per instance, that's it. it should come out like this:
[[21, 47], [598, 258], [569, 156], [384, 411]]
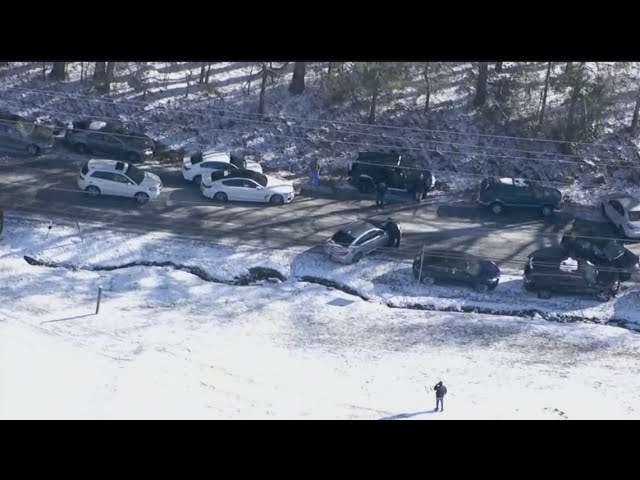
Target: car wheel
[[357, 257], [221, 197], [544, 294], [81, 148], [197, 180], [141, 198], [496, 208], [276, 200], [547, 211], [427, 280], [92, 190], [365, 186], [33, 149], [133, 157], [481, 287]]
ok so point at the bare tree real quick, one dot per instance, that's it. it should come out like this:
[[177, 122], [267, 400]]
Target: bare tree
[[109, 76], [544, 94], [59, 71], [206, 78], [99, 72], [263, 88], [481, 87], [203, 72], [427, 81], [499, 67], [636, 114], [296, 87]]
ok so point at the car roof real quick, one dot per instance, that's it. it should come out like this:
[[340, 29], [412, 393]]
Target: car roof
[[357, 228], [379, 157], [518, 182], [236, 173], [216, 155], [447, 253], [628, 202], [104, 164]]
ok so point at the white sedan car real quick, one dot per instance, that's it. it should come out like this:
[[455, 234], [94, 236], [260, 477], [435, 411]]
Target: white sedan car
[[246, 186], [111, 177], [624, 212], [199, 164]]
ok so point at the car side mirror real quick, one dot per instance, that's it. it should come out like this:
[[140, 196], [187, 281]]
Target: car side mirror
[[260, 187]]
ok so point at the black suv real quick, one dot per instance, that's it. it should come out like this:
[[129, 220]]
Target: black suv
[[592, 243], [17, 133], [455, 267], [371, 168], [552, 269], [110, 139], [498, 193]]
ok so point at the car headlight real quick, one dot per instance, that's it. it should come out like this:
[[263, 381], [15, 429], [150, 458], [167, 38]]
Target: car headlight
[[153, 189]]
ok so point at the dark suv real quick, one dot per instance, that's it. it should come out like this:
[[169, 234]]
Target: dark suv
[[552, 269], [109, 139], [371, 168], [18, 134], [455, 267], [591, 243], [498, 193]]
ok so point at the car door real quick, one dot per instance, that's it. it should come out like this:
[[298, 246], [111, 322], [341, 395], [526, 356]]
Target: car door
[[104, 181], [96, 143], [234, 188], [253, 192], [616, 212], [123, 185], [366, 242]]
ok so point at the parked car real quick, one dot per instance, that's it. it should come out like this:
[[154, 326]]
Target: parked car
[[593, 244], [623, 211], [97, 137], [18, 134], [552, 269], [501, 193], [197, 164], [356, 239], [371, 168], [110, 177], [451, 266], [246, 186]]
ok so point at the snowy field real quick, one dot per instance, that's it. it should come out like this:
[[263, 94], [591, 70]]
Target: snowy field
[[168, 344]]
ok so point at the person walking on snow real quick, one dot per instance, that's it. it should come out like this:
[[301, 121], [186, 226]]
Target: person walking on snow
[[394, 232], [314, 173], [381, 191], [441, 391]]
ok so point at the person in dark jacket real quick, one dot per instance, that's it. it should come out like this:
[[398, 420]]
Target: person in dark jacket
[[394, 232], [381, 191], [416, 187], [426, 185], [441, 391]]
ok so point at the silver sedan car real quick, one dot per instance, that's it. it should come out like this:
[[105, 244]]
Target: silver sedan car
[[353, 241], [624, 213]]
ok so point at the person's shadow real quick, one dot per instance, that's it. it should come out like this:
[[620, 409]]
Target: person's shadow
[[402, 416]]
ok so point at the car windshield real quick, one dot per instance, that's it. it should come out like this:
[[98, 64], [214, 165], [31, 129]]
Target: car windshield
[[342, 238], [256, 177], [238, 162], [135, 174], [634, 216]]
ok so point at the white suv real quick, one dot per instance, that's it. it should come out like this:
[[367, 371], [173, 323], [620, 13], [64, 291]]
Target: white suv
[[195, 165], [110, 177]]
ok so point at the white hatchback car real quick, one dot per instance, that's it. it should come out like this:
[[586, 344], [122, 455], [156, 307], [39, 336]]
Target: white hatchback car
[[624, 212], [111, 177], [246, 186], [199, 164]]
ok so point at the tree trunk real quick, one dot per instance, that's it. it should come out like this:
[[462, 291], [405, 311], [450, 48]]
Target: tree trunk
[[81, 72], [636, 114], [427, 80], [206, 79], [263, 89], [58, 72], [372, 110], [481, 88], [203, 72], [100, 71], [544, 95], [329, 68], [296, 87], [109, 76], [499, 67]]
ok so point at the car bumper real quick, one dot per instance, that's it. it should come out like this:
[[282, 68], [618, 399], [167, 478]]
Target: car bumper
[[629, 233], [335, 255]]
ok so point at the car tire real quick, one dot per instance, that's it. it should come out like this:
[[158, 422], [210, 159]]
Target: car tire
[[221, 197], [547, 211], [92, 190], [197, 180], [544, 294], [133, 157], [141, 198], [357, 257], [81, 148], [496, 208], [33, 149], [481, 287], [365, 186], [427, 280], [276, 200]]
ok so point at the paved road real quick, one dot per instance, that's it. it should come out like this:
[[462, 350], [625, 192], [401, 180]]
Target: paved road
[[307, 222]]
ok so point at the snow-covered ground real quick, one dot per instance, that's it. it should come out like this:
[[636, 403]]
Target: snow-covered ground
[[167, 344], [328, 122]]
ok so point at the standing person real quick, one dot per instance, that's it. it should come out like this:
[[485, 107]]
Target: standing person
[[314, 173], [417, 187], [394, 232], [381, 191], [441, 391], [426, 185]]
